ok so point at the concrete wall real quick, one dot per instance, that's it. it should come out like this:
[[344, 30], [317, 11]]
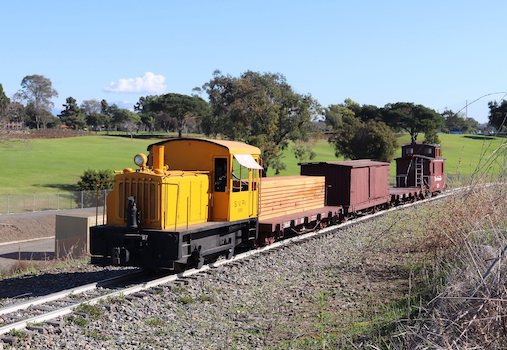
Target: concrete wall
[[72, 234]]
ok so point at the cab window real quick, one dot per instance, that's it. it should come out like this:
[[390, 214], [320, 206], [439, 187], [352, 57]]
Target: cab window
[[220, 175], [239, 177]]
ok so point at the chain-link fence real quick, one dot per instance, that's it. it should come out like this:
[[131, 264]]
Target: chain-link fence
[[19, 203]]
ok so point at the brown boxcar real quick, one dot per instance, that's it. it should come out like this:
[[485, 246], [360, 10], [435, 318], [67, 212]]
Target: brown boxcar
[[421, 166], [356, 184]]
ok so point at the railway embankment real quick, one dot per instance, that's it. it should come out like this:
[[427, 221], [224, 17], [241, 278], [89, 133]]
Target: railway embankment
[[418, 276]]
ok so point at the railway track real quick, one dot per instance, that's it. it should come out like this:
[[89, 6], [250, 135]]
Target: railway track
[[47, 307], [31, 313]]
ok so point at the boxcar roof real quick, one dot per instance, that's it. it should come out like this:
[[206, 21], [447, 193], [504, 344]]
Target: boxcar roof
[[234, 147], [359, 163]]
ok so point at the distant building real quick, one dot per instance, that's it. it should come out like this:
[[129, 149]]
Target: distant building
[[13, 126]]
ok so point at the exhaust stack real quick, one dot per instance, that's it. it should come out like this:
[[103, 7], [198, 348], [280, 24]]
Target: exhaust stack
[[158, 158]]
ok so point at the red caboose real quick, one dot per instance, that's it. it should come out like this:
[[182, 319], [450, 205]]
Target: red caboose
[[421, 166]]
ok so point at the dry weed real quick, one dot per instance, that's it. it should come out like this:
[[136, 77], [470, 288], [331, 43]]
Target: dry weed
[[466, 240]]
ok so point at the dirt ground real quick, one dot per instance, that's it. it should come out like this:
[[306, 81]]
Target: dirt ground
[[17, 227]]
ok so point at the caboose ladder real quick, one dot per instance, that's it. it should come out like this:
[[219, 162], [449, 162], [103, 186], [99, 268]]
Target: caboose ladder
[[418, 171]]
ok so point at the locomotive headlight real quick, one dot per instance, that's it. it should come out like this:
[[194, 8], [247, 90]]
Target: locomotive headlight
[[140, 160]]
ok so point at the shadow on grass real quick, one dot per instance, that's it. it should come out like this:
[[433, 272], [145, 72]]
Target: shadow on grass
[[63, 187], [144, 136], [479, 137]]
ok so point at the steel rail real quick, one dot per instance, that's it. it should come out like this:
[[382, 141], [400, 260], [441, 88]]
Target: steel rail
[[242, 256], [65, 293]]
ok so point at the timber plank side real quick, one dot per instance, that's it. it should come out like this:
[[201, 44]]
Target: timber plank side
[[276, 181], [286, 195]]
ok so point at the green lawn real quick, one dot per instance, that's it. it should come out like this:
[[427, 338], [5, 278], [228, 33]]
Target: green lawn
[[54, 165], [463, 154]]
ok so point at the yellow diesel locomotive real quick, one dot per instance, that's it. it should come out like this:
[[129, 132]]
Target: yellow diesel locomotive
[[189, 199]]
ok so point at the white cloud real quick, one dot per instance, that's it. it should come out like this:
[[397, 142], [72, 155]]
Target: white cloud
[[148, 83]]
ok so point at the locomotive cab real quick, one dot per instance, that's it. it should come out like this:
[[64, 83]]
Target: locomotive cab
[[233, 169], [421, 166]]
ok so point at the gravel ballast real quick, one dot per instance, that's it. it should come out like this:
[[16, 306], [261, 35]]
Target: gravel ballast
[[282, 297]]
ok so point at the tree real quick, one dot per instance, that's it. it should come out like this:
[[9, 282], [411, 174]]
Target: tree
[[92, 111], [370, 112], [349, 106], [125, 119], [412, 118], [431, 136], [259, 109], [72, 115], [471, 125], [453, 121], [39, 118], [458, 122], [303, 151], [16, 112], [90, 107], [147, 115], [356, 139], [4, 102], [336, 114], [498, 114], [107, 113], [176, 107], [38, 91]]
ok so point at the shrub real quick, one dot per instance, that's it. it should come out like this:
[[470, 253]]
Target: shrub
[[93, 180]]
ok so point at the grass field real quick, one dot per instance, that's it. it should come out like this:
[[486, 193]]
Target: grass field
[[54, 165], [463, 154]]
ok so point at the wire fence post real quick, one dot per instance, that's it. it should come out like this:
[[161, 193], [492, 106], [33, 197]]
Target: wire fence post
[[33, 207], [104, 209], [8, 203], [58, 201], [82, 200]]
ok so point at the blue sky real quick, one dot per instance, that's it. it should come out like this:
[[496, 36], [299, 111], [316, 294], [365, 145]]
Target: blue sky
[[437, 53]]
